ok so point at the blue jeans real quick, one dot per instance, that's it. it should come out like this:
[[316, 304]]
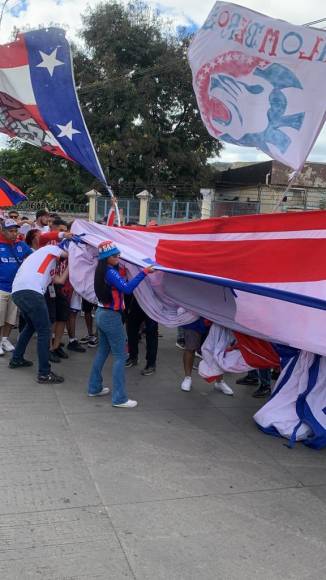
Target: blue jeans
[[33, 308], [112, 338]]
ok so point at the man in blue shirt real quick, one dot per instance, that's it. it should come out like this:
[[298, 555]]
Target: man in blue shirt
[[12, 255]]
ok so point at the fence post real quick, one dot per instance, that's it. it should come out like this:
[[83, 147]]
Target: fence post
[[144, 197], [206, 207], [173, 211], [92, 195]]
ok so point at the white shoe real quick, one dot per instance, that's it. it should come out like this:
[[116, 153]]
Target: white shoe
[[2, 352], [223, 387], [130, 404], [186, 384], [6, 345], [104, 391]]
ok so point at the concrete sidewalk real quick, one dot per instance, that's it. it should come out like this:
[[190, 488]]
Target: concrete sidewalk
[[185, 487]]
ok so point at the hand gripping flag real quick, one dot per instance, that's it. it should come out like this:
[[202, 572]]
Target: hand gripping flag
[[38, 100], [260, 82]]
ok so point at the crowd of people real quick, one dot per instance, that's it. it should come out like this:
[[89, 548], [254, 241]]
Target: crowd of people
[[36, 294]]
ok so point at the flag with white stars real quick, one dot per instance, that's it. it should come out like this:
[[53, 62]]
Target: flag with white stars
[[38, 100]]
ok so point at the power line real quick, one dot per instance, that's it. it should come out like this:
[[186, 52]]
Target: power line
[[2, 10], [314, 22], [156, 70]]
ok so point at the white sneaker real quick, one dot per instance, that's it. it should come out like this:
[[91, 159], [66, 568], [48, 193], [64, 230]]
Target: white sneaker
[[223, 387], [104, 391], [2, 352], [130, 404], [6, 345], [186, 384]]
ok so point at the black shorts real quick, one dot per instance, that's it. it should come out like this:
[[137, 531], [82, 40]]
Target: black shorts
[[50, 302], [87, 307], [62, 307]]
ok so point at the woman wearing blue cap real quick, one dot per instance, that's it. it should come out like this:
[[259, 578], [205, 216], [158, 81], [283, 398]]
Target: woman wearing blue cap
[[109, 289]]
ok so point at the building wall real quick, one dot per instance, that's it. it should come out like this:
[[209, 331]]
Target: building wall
[[270, 198]]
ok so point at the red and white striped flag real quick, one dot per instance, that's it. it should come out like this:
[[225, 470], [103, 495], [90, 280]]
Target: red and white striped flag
[[263, 275]]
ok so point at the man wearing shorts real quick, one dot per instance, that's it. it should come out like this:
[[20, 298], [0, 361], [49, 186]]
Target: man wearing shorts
[[12, 255], [194, 336], [90, 339]]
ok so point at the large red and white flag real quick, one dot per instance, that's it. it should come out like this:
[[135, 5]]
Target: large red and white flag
[[260, 82], [263, 275]]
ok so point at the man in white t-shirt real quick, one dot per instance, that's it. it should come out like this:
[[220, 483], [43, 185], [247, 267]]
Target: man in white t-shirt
[[29, 287]]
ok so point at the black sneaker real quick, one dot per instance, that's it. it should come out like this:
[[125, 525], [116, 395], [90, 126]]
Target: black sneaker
[[262, 392], [131, 362], [247, 381], [53, 357], [85, 339], [50, 379], [60, 352], [180, 344], [148, 371], [17, 364], [75, 346], [93, 341]]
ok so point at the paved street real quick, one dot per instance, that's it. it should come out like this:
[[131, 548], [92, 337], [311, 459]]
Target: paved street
[[183, 488]]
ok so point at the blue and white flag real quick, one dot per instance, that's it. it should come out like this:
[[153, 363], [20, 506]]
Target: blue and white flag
[[260, 82], [38, 100]]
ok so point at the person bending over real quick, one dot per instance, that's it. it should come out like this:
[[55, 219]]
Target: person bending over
[[29, 287]]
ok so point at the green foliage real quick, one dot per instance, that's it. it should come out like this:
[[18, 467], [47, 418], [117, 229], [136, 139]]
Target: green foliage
[[141, 108], [135, 88], [42, 176]]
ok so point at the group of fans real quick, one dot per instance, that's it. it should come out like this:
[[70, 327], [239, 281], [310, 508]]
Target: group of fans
[[34, 283], [21, 239]]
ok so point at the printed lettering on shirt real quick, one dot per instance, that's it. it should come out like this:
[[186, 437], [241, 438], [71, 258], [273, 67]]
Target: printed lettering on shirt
[[9, 260]]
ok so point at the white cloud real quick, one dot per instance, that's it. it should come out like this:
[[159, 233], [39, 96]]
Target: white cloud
[[67, 13], [44, 12], [303, 12]]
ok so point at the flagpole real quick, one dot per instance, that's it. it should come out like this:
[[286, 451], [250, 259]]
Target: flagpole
[[110, 192], [294, 175]]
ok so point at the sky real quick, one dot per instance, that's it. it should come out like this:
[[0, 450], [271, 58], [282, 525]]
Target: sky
[[188, 13]]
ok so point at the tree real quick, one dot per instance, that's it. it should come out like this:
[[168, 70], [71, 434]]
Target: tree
[[141, 109], [135, 88], [42, 176]]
